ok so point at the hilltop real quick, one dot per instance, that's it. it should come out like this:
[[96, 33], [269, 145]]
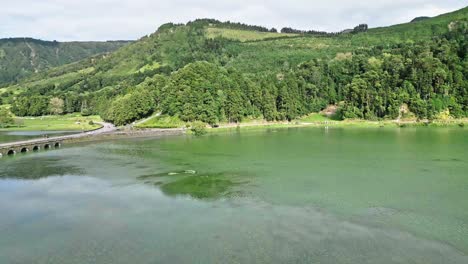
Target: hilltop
[[221, 71]]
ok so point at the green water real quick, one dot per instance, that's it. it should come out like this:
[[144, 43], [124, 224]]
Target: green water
[[278, 196], [12, 136]]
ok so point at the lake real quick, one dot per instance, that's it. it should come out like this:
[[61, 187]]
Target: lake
[[12, 136], [302, 195]]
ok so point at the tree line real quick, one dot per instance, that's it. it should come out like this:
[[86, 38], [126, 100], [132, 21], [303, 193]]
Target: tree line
[[371, 83], [357, 29]]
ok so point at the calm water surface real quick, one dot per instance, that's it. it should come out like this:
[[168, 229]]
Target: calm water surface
[[278, 196], [11, 136]]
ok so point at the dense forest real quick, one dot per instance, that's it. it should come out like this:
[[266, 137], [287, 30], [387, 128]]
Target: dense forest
[[181, 72]]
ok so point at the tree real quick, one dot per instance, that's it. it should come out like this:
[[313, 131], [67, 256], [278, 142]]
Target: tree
[[72, 103], [269, 105], [20, 106], [84, 109], [131, 107], [221, 80], [35, 105], [56, 106], [198, 128], [234, 105], [360, 28], [6, 119]]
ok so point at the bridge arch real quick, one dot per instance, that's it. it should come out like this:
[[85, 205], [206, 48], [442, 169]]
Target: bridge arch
[[24, 150], [47, 146], [36, 148], [57, 145], [11, 152]]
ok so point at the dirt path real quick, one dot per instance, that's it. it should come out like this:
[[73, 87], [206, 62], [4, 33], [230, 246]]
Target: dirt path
[[106, 128], [146, 119]]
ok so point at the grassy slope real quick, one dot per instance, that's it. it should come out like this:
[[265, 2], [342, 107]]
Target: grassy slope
[[422, 29], [55, 123], [255, 52], [135, 57], [20, 57], [274, 53], [243, 35], [162, 122], [18, 88]]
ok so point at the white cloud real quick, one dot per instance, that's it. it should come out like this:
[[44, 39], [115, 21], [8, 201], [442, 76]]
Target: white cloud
[[131, 19]]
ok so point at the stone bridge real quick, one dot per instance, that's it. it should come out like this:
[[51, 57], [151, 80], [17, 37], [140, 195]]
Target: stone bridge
[[14, 148], [106, 131]]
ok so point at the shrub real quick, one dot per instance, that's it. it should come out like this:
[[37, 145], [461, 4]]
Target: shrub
[[198, 128], [86, 112], [6, 119]]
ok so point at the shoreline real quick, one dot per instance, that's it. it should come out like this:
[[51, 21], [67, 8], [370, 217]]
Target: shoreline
[[90, 136], [68, 122], [458, 123], [124, 134]]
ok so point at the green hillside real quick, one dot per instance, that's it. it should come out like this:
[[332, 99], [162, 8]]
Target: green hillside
[[20, 57], [243, 35], [212, 71]]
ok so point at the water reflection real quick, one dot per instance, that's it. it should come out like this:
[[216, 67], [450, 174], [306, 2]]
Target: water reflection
[[38, 167], [11, 136], [88, 220], [295, 196], [196, 185]]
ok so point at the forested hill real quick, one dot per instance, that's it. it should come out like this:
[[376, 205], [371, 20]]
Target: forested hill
[[216, 72], [20, 57]]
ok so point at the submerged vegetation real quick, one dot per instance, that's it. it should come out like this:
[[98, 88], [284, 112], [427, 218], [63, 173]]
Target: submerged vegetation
[[200, 187], [216, 72], [193, 184]]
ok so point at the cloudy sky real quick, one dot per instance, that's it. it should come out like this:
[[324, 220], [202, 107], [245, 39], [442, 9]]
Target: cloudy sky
[[66, 20]]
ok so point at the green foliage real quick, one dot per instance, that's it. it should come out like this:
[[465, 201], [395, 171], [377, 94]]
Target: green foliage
[[163, 121], [315, 118], [6, 119], [35, 105], [56, 106], [21, 57], [131, 107], [243, 35], [198, 128], [55, 123], [202, 72]]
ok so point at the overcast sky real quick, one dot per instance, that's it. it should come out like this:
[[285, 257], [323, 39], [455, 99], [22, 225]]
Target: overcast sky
[[67, 20]]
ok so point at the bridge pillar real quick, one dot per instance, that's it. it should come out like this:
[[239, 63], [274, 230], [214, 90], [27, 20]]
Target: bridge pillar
[[20, 147], [23, 150]]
